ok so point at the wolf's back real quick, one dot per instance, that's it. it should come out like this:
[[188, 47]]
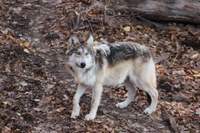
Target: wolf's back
[[127, 50]]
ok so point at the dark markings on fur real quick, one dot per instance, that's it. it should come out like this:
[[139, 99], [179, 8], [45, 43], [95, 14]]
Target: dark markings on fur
[[147, 55], [76, 47], [89, 50], [71, 69], [73, 50], [117, 53], [126, 52], [99, 58]]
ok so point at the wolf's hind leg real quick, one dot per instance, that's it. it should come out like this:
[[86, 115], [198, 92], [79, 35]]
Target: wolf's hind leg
[[154, 100], [153, 93], [147, 82], [131, 94]]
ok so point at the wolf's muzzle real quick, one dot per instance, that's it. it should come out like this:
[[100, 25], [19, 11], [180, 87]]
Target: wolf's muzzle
[[82, 65]]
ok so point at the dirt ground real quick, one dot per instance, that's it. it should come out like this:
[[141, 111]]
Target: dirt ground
[[36, 91]]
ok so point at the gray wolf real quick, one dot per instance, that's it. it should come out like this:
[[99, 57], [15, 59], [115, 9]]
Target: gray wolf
[[110, 64]]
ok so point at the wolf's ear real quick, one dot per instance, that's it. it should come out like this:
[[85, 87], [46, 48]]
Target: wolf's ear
[[90, 40], [73, 40]]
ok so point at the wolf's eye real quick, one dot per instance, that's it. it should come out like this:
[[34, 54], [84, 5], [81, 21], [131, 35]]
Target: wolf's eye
[[86, 53], [78, 53]]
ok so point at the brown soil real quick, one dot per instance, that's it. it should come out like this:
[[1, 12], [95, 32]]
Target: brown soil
[[36, 91]]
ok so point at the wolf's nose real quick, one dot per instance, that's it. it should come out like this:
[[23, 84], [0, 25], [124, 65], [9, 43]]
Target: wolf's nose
[[83, 64]]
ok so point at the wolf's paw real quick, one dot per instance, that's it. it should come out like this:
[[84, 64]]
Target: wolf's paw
[[149, 110], [75, 113], [90, 117], [121, 105]]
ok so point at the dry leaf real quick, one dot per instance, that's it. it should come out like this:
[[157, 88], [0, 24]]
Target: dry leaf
[[23, 83], [26, 51], [198, 111], [25, 44], [60, 109], [127, 28]]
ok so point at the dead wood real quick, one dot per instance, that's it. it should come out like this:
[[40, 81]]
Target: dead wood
[[186, 11]]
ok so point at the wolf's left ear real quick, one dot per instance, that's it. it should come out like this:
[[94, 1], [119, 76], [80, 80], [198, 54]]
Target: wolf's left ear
[[90, 40]]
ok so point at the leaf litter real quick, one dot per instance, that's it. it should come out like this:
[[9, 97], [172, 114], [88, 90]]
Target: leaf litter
[[36, 91]]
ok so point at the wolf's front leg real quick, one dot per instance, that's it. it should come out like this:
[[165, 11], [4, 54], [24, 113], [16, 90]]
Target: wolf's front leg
[[76, 108], [96, 98]]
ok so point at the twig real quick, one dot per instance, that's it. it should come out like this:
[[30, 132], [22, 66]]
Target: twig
[[177, 53], [77, 23], [86, 20]]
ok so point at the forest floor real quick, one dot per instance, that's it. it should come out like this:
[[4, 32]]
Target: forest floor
[[36, 91]]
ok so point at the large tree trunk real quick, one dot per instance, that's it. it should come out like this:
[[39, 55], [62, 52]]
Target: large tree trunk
[[164, 10]]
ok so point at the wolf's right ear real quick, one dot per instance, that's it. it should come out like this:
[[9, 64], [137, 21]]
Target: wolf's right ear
[[73, 40], [90, 40]]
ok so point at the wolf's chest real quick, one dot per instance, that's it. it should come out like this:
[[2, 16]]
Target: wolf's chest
[[87, 79]]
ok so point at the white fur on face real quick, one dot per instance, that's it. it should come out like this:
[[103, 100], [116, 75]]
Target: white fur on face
[[82, 55]]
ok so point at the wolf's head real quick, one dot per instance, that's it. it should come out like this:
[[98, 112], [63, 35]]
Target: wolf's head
[[80, 54]]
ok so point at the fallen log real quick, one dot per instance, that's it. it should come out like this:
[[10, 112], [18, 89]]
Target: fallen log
[[186, 11]]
